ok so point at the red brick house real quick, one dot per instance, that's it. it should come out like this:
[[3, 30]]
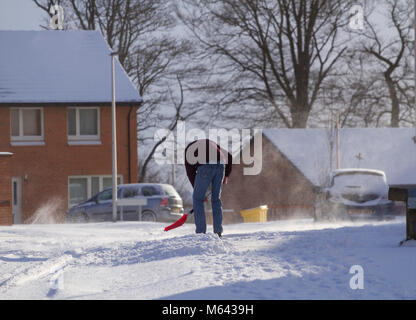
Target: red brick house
[[55, 121], [294, 161]]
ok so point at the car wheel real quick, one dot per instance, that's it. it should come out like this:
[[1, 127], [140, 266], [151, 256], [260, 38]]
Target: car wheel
[[79, 217], [148, 216]]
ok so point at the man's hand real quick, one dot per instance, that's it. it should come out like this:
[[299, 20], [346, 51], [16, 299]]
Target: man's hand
[[225, 181]]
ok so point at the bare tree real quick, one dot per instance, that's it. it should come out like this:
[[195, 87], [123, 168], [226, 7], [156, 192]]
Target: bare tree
[[374, 86], [357, 93], [179, 116], [273, 54], [122, 22], [392, 55]]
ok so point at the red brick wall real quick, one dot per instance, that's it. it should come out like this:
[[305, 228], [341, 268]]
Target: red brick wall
[[5, 190], [49, 166], [279, 185]]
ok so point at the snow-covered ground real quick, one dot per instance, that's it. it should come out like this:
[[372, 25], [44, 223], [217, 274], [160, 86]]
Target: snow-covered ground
[[296, 259]]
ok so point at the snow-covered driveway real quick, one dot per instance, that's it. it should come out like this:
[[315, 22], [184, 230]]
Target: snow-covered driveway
[[296, 259]]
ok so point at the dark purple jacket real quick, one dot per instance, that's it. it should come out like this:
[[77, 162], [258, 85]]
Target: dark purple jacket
[[211, 148]]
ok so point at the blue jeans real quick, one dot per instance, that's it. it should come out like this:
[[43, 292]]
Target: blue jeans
[[205, 175]]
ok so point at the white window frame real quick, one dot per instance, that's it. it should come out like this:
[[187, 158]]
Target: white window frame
[[89, 183], [83, 139], [21, 137]]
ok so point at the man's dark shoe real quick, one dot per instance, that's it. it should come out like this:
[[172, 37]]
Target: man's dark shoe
[[219, 234]]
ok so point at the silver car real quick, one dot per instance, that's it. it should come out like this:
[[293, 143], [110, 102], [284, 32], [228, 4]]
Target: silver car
[[357, 193]]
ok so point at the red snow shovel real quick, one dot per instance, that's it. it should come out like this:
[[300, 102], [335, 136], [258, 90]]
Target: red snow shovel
[[180, 222], [182, 219]]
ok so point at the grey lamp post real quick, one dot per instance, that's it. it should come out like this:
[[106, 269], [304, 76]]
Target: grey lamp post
[[114, 141]]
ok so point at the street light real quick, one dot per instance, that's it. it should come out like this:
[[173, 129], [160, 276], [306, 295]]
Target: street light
[[114, 142]]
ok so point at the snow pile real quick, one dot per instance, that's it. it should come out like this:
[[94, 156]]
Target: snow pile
[[156, 250], [296, 259]]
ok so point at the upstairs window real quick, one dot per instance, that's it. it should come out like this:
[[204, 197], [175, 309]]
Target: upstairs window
[[83, 124], [26, 124]]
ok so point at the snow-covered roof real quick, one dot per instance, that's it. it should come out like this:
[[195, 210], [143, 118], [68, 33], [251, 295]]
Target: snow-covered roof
[[60, 67], [392, 150]]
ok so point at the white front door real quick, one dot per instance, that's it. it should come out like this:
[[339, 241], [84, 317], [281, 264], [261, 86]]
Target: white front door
[[17, 200]]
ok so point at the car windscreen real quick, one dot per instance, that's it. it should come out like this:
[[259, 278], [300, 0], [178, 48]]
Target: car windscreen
[[130, 192], [359, 179], [170, 191]]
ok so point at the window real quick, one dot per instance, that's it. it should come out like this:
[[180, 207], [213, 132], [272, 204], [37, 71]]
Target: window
[[411, 203], [83, 124], [95, 185], [78, 190], [105, 196], [171, 191], [129, 192], [149, 191], [107, 182], [15, 193], [82, 188], [26, 124]]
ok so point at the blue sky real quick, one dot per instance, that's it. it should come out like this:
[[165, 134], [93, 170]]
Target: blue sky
[[20, 15]]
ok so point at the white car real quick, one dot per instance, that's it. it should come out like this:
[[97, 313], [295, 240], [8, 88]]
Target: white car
[[357, 193]]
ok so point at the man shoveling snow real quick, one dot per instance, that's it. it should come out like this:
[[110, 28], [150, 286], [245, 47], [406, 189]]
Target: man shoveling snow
[[207, 164]]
